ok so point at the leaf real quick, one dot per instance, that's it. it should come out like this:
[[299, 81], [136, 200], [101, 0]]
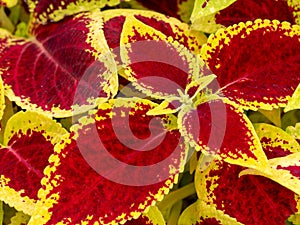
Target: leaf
[[294, 102], [123, 160], [275, 141], [221, 130], [19, 219], [245, 73], [247, 10], [284, 170], [8, 3], [200, 213], [180, 9], [164, 64], [207, 7], [250, 10], [53, 10], [152, 217], [79, 71], [251, 200], [114, 21], [294, 131], [29, 139], [9, 212], [273, 115]]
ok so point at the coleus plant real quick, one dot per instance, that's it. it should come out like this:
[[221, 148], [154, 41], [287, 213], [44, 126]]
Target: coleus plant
[[125, 155]]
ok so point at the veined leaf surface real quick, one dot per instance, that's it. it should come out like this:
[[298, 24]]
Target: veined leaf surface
[[29, 141], [115, 164], [67, 64], [246, 76], [221, 130]]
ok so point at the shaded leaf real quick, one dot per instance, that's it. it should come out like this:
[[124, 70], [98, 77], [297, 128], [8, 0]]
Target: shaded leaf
[[29, 140], [251, 200], [53, 10], [9, 212], [294, 131], [19, 219], [222, 131], [294, 102], [290, 118], [246, 74], [79, 72], [123, 160], [273, 115]]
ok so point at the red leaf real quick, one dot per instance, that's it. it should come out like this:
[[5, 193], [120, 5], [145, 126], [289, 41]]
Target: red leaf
[[250, 10], [222, 130], [126, 166], [62, 63], [252, 72], [29, 140], [252, 200]]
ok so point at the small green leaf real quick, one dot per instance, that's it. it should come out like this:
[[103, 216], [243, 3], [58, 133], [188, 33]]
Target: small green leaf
[[19, 219], [294, 131], [208, 7], [294, 102], [273, 115]]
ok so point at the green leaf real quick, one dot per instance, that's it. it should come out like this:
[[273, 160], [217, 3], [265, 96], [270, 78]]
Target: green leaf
[[294, 102], [202, 213], [294, 131], [19, 219], [273, 115], [208, 7]]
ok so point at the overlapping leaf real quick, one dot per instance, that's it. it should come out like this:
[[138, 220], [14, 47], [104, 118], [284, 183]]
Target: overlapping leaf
[[251, 200], [67, 65], [237, 55], [283, 152], [181, 9], [114, 165], [247, 199], [212, 15], [222, 130], [45, 10], [170, 27], [294, 131], [29, 140]]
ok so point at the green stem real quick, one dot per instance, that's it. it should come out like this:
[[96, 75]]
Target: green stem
[[176, 196], [175, 213]]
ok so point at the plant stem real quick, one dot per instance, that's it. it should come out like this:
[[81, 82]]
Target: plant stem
[[176, 196], [175, 213]]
